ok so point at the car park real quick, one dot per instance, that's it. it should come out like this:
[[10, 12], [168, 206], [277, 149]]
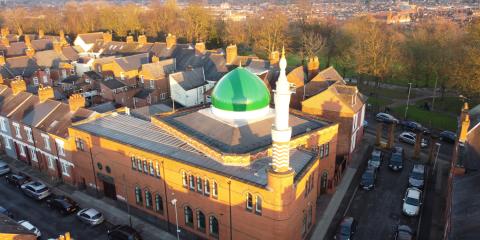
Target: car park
[[412, 202], [448, 136], [63, 204], [4, 168], [403, 232], [17, 179], [36, 190], [30, 227], [123, 232], [368, 178], [346, 229], [91, 216], [417, 176], [414, 126], [396, 161], [410, 138], [386, 118], [5, 211], [375, 159]]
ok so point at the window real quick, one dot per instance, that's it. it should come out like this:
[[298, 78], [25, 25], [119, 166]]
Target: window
[[35, 81], [45, 79], [258, 204], [249, 202], [7, 142], [304, 224], [3, 124], [207, 187], [152, 84], [214, 189], [307, 184], [22, 151], [65, 167], [142, 79], [327, 149], [46, 141], [213, 226], [355, 122], [64, 73], [312, 181], [310, 215], [320, 153], [188, 216], [80, 144], [60, 148], [148, 199], [134, 162], [145, 167], [47, 71], [138, 195], [158, 203], [33, 154], [184, 179], [17, 130], [152, 170], [50, 162], [163, 96], [199, 184], [29, 133], [200, 221], [192, 182], [122, 76], [139, 164], [157, 168]]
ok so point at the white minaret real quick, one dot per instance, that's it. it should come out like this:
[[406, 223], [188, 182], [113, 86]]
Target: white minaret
[[281, 131]]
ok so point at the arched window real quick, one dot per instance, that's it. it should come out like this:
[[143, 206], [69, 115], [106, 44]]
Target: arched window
[[207, 187], [199, 184], [213, 226], [304, 224], [258, 204], [148, 199], [184, 179], [158, 203], [188, 216], [214, 189], [249, 202], [201, 220], [192, 182], [310, 215], [138, 195]]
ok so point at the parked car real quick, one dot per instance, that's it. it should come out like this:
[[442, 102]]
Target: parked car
[[376, 159], [412, 201], [91, 216], [417, 176], [36, 190], [386, 118], [410, 138], [396, 161], [5, 211], [414, 126], [403, 232], [123, 232], [30, 227], [346, 229], [368, 178], [17, 179], [4, 168], [448, 136], [63, 204]]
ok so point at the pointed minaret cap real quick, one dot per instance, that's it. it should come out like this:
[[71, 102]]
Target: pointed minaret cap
[[283, 60]]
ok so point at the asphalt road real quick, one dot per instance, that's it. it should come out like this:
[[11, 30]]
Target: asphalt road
[[379, 211], [50, 222]]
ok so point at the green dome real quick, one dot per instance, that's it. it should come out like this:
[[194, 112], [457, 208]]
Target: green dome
[[240, 90]]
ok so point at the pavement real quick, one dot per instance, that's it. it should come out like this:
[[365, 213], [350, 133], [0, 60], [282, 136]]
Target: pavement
[[52, 224]]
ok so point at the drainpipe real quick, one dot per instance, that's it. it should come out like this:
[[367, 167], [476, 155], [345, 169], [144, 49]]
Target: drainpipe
[[230, 205], [93, 170], [166, 197]]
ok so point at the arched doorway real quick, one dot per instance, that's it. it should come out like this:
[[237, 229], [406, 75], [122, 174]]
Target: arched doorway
[[324, 182]]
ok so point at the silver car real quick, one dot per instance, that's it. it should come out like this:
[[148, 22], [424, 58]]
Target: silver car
[[4, 168], [36, 190], [27, 225], [91, 216]]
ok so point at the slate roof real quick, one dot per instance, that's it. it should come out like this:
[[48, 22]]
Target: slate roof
[[90, 38], [213, 63], [14, 49], [58, 121], [50, 59], [190, 79], [146, 112], [297, 76], [93, 75], [42, 44], [469, 153], [143, 93], [104, 107], [18, 66], [113, 83], [11, 102], [148, 137], [37, 113], [133, 62], [258, 66], [465, 207], [114, 48], [159, 70]]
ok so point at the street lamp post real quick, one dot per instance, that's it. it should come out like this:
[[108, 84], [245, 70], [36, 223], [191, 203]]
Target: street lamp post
[[436, 155], [126, 201], [408, 100], [174, 202]]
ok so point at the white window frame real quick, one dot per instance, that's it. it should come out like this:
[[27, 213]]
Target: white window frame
[[199, 184], [47, 71], [64, 73], [184, 179], [355, 122], [257, 209], [152, 84], [157, 169], [249, 201], [33, 154], [214, 189], [22, 150], [163, 96], [46, 141], [45, 79], [191, 180], [206, 188], [64, 166], [3, 124], [60, 147], [35, 81], [28, 131], [152, 169], [7, 142], [142, 79], [17, 130], [50, 161], [122, 76]]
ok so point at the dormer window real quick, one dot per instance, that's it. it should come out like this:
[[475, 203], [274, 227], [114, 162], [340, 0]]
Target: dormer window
[[35, 81], [122, 76]]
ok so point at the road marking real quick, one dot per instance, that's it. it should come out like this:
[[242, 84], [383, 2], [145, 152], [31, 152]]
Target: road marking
[[350, 202]]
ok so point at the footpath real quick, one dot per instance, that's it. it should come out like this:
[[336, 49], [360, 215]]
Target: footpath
[[113, 214]]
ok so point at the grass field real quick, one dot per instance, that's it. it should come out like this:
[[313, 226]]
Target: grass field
[[385, 92], [431, 119]]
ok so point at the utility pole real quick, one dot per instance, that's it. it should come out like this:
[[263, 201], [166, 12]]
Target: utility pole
[[174, 202], [126, 201], [408, 100]]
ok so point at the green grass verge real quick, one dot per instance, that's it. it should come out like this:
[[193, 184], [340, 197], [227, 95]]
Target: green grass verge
[[385, 92], [437, 120]]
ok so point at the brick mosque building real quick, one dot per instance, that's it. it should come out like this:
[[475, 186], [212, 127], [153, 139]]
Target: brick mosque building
[[224, 169]]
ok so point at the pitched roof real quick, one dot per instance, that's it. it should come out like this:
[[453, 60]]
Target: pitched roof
[[158, 70], [104, 107], [50, 59], [132, 62], [90, 38], [113, 83], [258, 66], [58, 122], [297, 76], [189, 79], [465, 207], [337, 97], [120, 48], [146, 112], [14, 49], [18, 66], [213, 63]]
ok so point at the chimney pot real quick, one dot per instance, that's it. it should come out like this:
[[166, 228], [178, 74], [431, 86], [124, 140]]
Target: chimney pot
[[18, 86], [2, 60], [142, 39], [41, 33], [129, 39], [45, 93], [30, 52], [76, 101], [107, 37], [171, 40], [274, 57], [200, 48], [232, 53]]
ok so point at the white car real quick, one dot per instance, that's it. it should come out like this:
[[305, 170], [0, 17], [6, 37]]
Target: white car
[[411, 138], [4, 168], [30, 227], [91, 216], [412, 202], [36, 190]]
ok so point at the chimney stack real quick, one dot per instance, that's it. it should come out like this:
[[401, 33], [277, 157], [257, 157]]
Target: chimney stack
[[75, 102], [57, 46], [313, 67], [129, 39], [155, 59], [63, 41], [45, 93], [2, 60], [41, 34], [200, 48], [232, 53], [5, 41], [107, 37], [19, 31], [30, 52], [171, 41], [4, 32], [18, 86], [274, 57], [1, 79], [27, 41], [465, 124], [142, 39]]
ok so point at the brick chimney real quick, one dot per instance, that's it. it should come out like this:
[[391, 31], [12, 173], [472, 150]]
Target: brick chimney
[[465, 124], [171, 41], [19, 31], [62, 37], [142, 39], [5, 41], [155, 59], [200, 48], [45, 93], [57, 46], [313, 67], [129, 39], [2, 60], [107, 37], [4, 32], [41, 33], [27, 40], [274, 57], [30, 52], [75, 102], [232, 53], [18, 86], [1, 79]]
